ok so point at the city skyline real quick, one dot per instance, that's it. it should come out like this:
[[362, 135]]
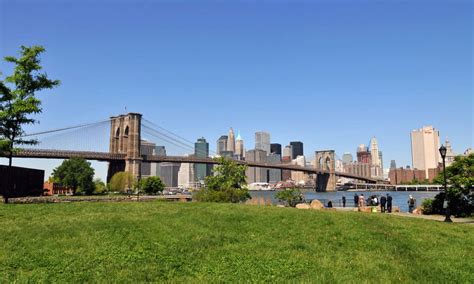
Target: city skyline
[[347, 79]]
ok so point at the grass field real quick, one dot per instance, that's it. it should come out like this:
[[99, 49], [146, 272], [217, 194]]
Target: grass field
[[159, 241]]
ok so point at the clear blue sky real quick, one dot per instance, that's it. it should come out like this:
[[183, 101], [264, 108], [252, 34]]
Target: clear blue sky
[[329, 73]]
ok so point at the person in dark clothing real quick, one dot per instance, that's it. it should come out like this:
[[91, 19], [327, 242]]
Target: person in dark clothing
[[330, 204], [383, 201], [389, 203], [356, 199], [343, 201]]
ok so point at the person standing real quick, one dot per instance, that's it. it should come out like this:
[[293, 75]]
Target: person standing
[[383, 201], [343, 201], [361, 201], [389, 203], [411, 204], [356, 199]]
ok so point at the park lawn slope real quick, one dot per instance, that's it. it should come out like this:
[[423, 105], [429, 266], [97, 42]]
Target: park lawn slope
[[153, 241]]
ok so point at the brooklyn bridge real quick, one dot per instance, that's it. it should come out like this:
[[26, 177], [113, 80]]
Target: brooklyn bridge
[[124, 152]]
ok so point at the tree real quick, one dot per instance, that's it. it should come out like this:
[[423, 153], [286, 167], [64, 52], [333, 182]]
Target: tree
[[460, 179], [121, 182], [151, 185], [76, 173], [291, 196], [18, 100], [99, 186], [227, 184]]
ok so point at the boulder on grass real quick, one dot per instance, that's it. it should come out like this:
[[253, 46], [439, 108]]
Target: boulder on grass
[[303, 206], [316, 204], [417, 211]]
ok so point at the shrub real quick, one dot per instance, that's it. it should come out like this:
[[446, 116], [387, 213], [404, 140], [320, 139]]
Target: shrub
[[227, 184], [291, 197], [151, 185], [427, 206], [121, 181]]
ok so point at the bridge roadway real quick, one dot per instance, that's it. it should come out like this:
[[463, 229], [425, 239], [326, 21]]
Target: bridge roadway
[[108, 157]]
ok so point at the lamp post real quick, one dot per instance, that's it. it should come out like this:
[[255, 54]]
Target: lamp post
[[442, 152]]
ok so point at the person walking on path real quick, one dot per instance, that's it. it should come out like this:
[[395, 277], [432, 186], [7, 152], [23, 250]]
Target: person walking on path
[[383, 201], [411, 204], [356, 199], [343, 201], [389, 203]]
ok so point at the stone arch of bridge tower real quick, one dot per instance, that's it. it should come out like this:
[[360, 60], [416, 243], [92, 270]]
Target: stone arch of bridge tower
[[326, 161], [125, 138]]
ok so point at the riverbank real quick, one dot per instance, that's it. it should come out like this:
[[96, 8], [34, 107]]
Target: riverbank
[[163, 241]]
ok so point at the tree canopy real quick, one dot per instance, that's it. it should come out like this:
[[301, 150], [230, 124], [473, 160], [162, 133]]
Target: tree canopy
[[227, 184], [121, 181], [18, 99], [75, 173], [151, 185]]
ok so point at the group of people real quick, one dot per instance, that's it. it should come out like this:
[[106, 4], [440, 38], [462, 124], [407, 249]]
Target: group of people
[[385, 202]]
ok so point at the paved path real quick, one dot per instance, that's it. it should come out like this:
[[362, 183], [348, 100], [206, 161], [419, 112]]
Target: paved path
[[436, 218]]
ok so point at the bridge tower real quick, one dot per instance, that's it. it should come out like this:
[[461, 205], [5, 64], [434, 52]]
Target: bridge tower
[[326, 160], [125, 138]]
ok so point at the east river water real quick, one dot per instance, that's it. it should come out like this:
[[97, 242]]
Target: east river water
[[400, 198]]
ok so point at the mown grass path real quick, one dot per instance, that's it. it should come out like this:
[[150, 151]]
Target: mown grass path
[[200, 242]]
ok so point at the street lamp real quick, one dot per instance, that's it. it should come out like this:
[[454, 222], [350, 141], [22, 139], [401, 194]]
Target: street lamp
[[442, 152]]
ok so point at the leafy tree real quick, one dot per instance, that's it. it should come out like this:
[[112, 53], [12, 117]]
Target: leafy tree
[[227, 184], [76, 173], [460, 179], [121, 181], [151, 185], [291, 196], [18, 100], [99, 186]]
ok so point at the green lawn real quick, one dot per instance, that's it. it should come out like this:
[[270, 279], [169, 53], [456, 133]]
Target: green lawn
[[202, 242]]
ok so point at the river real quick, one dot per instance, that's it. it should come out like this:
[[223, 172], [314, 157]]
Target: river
[[400, 198]]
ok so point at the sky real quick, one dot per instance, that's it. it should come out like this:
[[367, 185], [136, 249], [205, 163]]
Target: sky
[[331, 74]]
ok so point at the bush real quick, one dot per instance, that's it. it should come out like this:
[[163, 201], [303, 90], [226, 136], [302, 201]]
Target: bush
[[151, 185], [121, 182], [427, 206], [227, 184], [291, 197]]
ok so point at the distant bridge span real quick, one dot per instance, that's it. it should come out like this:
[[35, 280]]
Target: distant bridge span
[[111, 157]]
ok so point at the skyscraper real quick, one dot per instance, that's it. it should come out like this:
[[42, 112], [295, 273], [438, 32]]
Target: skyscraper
[[147, 148], [449, 153], [376, 163], [297, 147], [288, 152], [347, 158], [239, 147], [256, 174], [363, 155], [222, 144], [425, 146], [275, 148], [393, 164], [201, 150], [262, 141], [231, 141]]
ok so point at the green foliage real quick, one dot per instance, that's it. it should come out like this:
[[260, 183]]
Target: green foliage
[[99, 187], [121, 182], [151, 185], [17, 97], [460, 178], [75, 173], [229, 243], [227, 184], [427, 206], [291, 196]]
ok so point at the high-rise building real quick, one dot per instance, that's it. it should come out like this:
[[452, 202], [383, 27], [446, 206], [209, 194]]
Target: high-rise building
[[347, 158], [288, 152], [186, 177], [297, 147], [256, 174], [262, 141], [363, 155], [201, 150], [393, 164], [274, 174], [146, 148], [222, 144], [297, 176], [239, 147], [169, 173], [425, 146], [275, 148], [231, 141], [449, 153], [155, 167]]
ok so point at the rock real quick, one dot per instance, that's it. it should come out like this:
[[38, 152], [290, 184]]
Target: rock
[[280, 206], [396, 209], [303, 206], [417, 211], [316, 204]]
